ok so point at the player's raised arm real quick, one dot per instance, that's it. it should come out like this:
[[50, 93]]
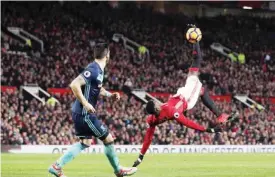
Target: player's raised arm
[[76, 88], [146, 143]]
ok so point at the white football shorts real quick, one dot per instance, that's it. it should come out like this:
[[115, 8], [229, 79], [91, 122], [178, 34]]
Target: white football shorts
[[191, 91]]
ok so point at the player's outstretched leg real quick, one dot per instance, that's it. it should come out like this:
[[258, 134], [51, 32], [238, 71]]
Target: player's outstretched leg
[[196, 64], [110, 153], [197, 56], [56, 168], [209, 103]]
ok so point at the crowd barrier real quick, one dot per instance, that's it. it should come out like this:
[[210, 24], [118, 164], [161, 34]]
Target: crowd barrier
[[154, 149], [64, 91]]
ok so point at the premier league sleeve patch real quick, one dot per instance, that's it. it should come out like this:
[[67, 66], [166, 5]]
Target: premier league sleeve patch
[[87, 74], [176, 115]]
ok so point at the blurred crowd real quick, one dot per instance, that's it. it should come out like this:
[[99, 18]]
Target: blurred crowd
[[68, 35], [68, 39], [30, 122]]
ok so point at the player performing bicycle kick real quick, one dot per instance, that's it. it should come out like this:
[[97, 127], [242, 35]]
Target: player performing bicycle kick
[[184, 100]]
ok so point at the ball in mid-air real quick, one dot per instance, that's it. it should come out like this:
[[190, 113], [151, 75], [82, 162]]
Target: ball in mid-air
[[193, 35]]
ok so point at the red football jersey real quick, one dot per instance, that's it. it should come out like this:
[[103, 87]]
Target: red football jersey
[[173, 108]]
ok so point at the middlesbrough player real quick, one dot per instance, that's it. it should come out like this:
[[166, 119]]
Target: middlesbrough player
[[87, 87], [185, 99]]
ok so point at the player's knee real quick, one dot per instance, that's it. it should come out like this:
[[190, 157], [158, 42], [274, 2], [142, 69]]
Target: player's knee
[[86, 142], [109, 139]]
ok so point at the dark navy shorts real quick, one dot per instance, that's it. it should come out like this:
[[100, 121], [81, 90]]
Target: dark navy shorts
[[88, 125]]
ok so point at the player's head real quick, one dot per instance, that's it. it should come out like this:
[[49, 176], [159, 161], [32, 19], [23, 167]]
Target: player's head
[[153, 107], [102, 52]]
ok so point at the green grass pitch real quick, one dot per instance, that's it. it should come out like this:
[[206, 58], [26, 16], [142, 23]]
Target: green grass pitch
[[155, 165]]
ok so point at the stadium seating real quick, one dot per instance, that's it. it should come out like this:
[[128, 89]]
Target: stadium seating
[[67, 34], [68, 52], [29, 122]]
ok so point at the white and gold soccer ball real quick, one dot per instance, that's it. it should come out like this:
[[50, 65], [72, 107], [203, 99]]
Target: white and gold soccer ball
[[193, 35]]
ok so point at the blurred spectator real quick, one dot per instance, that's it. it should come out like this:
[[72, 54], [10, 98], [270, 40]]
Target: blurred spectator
[[30, 122], [68, 49], [69, 35]]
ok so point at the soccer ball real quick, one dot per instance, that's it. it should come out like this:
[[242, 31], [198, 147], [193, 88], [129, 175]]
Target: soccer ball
[[193, 35]]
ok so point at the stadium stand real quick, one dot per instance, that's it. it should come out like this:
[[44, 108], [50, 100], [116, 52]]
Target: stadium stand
[[68, 33], [30, 122]]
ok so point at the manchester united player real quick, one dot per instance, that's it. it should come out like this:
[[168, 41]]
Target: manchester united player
[[185, 99]]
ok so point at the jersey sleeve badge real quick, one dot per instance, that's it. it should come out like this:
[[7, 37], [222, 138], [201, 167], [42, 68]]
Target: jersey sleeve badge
[[176, 115], [87, 74]]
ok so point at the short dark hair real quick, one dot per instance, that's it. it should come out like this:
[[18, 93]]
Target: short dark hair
[[101, 50], [150, 107]]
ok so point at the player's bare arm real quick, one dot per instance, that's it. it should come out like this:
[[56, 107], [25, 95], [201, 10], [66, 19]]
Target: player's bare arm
[[76, 88], [106, 93]]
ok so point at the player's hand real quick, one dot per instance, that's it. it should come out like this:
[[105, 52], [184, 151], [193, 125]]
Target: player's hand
[[89, 108], [214, 130], [116, 95], [138, 161]]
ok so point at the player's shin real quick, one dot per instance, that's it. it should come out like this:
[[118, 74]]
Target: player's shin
[[209, 103], [70, 154], [198, 57], [221, 117], [110, 153]]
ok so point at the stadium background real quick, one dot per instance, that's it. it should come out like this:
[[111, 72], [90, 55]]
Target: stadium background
[[69, 30]]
